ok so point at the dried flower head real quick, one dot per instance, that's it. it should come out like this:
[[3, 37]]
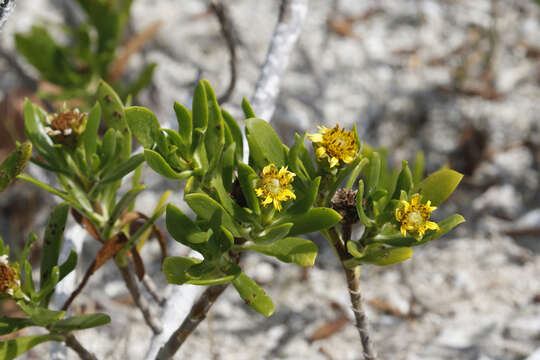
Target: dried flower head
[[344, 202], [9, 281], [414, 216], [274, 186], [335, 144], [65, 126]]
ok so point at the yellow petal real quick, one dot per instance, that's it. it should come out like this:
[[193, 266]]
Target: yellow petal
[[403, 231], [432, 225], [316, 138], [415, 199], [277, 205], [333, 162], [320, 152]]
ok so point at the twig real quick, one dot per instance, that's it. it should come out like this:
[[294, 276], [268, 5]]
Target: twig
[[353, 285], [6, 7], [177, 305], [75, 345], [73, 239], [195, 317], [292, 14], [139, 300], [151, 287], [222, 14]]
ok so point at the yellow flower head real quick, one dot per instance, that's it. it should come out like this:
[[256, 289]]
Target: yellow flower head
[[414, 216], [274, 186], [335, 144], [9, 280]]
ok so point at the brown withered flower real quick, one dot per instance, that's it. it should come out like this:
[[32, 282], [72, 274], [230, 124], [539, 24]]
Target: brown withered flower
[[344, 202], [9, 281], [66, 126]]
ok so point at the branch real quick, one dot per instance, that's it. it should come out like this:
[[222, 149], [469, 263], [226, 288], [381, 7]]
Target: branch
[[177, 306], [76, 346], [195, 317], [73, 239], [292, 14], [139, 300], [353, 285], [223, 16], [6, 7], [152, 289]]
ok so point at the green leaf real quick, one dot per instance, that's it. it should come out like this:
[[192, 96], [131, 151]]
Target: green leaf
[[378, 255], [123, 169], [200, 107], [80, 322], [52, 242], [306, 200], [248, 110], [185, 124], [215, 133], [357, 170], [108, 147], [39, 315], [439, 185], [33, 128], [273, 233], [68, 265], [404, 181], [159, 165], [444, 226], [9, 325], [264, 144], [228, 162], [112, 107], [14, 164], [235, 132], [248, 179], [124, 202], [144, 125], [418, 168], [374, 172], [46, 289], [253, 295], [46, 187], [114, 116], [205, 207], [11, 349], [290, 250], [178, 270], [90, 135], [184, 230], [315, 219], [360, 206]]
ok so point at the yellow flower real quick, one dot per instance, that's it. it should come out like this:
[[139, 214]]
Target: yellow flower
[[274, 186], [335, 144], [414, 216]]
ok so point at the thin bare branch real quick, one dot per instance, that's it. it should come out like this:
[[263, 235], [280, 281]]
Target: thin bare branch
[[139, 300], [195, 317], [75, 345], [223, 16], [292, 14], [152, 289]]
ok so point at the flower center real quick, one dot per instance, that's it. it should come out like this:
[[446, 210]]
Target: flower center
[[274, 186], [415, 219]]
